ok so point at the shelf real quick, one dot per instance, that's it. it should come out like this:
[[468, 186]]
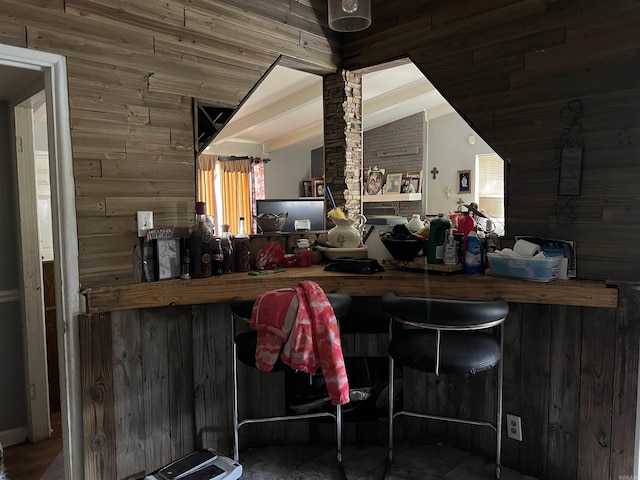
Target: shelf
[[392, 197]]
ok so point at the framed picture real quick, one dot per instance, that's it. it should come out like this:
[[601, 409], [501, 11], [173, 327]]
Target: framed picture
[[317, 184], [412, 182], [373, 181], [168, 258], [570, 170], [464, 181], [394, 183], [306, 188]]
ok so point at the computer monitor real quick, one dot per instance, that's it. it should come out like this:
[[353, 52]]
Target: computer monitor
[[297, 209]]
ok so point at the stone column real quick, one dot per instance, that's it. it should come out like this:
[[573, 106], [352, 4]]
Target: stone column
[[342, 96]]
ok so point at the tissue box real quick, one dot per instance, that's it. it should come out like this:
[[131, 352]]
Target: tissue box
[[542, 269]]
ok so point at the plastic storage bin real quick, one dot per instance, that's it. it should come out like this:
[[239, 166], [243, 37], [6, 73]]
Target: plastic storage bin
[[536, 269]]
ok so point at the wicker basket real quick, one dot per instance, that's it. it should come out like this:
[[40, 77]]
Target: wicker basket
[[270, 222]]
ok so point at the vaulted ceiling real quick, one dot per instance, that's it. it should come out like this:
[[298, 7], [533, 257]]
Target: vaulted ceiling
[[286, 108]]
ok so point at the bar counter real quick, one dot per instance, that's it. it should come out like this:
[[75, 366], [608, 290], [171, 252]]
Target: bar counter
[[581, 293]]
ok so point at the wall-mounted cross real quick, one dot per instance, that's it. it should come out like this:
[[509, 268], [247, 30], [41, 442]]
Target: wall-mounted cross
[[460, 203], [434, 172]]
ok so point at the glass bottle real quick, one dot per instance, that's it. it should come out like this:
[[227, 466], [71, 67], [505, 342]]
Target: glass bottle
[[241, 247], [200, 244], [303, 253], [227, 249], [217, 258]]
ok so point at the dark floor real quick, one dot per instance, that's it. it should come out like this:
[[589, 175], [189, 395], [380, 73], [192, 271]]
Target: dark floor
[[421, 462], [39, 460], [43, 461]]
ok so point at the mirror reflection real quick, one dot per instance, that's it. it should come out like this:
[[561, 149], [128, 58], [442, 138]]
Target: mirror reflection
[[434, 161]]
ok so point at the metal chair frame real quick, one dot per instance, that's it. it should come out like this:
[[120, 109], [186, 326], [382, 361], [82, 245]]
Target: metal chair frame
[[237, 423], [496, 425]]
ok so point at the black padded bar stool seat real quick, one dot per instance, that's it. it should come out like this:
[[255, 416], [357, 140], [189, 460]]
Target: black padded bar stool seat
[[469, 352], [446, 337]]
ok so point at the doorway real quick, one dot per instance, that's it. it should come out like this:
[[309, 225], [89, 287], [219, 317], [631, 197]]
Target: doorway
[[68, 299]]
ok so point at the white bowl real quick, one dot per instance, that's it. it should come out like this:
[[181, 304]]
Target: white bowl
[[330, 253]]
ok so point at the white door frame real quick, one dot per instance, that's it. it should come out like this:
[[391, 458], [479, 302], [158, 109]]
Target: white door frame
[[69, 302], [32, 292]]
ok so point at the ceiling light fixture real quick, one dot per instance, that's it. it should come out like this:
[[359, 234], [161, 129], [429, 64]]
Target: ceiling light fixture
[[349, 15]]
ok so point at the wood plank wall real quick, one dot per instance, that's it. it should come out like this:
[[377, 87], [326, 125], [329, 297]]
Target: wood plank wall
[[511, 69], [133, 67], [157, 384]]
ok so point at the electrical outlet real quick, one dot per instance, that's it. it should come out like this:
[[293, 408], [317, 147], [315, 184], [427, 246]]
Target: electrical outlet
[[145, 222], [514, 427]]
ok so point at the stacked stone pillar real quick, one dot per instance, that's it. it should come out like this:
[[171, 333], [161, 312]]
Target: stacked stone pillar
[[342, 96]]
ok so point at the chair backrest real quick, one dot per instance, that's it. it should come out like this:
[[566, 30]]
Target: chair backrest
[[444, 314], [241, 308]]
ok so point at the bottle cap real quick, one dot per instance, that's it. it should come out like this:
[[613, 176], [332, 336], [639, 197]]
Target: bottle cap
[[201, 208]]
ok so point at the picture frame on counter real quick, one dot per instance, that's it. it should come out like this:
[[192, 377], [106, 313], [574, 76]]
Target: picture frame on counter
[[317, 186], [464, 181], [394, 183], [374, 180], [307, 189], [412, 182]]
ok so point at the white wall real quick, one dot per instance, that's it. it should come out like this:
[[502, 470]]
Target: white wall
[[237, 149], [449, 151], [283, 176]]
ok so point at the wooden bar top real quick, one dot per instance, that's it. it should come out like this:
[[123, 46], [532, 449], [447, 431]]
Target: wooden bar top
[[583, 293]]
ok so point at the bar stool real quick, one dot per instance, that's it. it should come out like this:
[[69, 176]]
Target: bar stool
[[448, 337], [244, 346]]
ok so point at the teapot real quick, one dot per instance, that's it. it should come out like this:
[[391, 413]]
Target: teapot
[[348, 232]]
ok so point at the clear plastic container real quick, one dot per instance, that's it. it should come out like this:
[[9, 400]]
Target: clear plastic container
[[542, 269]]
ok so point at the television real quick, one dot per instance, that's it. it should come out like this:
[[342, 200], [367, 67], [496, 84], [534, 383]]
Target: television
[[297, 209]]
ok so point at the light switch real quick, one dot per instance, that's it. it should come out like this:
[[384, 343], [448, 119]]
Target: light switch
[[145, 222]]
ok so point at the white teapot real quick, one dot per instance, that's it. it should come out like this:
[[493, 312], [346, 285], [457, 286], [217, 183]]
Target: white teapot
[[348, 232]]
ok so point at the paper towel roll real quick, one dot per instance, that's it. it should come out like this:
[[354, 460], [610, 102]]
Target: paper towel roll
[[527, 249]]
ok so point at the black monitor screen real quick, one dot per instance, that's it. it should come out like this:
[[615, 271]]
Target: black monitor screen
[[297, 209]]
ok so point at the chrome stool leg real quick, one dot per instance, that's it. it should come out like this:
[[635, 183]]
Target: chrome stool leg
[[499, 388], [234, 367], [391, 398]]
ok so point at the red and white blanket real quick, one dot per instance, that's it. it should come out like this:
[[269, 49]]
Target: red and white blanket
[[300, 325]]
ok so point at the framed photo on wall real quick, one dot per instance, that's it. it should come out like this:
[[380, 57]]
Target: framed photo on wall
[[464, 181]]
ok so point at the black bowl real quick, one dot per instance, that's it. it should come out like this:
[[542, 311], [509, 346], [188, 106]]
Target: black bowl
[[403, 249]]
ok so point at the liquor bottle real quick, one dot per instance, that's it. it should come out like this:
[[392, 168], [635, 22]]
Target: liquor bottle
[[200, 244], [217, 258], [227, 248], [241, 247]]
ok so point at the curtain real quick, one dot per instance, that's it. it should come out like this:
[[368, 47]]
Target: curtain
[[235, 183], [229, 188], [206, 181]]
